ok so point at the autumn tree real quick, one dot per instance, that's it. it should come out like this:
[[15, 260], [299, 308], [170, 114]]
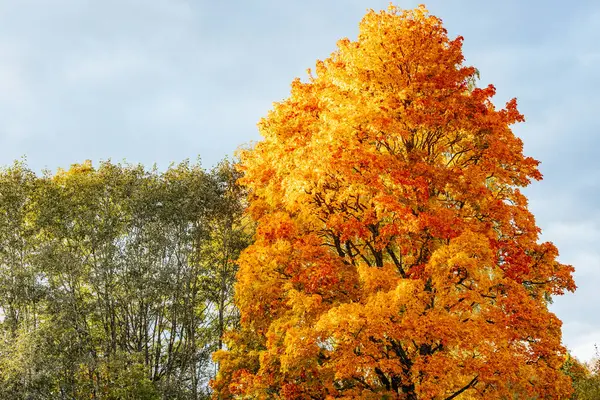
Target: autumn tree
[[395, 256]]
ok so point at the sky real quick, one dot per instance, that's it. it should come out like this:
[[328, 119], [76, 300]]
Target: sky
[[160, 81]]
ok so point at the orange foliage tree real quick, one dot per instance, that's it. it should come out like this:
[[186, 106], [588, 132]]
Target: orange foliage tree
[[395, 256]]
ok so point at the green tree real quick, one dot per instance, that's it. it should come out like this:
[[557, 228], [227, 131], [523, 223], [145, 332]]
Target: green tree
[[585, 377], [116, 281]]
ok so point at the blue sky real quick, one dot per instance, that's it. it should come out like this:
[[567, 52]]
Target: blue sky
[[158, 81]]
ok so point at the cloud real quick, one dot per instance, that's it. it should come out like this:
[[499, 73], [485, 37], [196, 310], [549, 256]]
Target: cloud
[[585, 340], [577, 242]]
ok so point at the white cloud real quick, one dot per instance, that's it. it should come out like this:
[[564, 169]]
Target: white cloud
[[583, 340]]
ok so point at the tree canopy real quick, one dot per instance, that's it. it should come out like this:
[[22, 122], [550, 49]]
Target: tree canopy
[[116, 282], [395, 255]]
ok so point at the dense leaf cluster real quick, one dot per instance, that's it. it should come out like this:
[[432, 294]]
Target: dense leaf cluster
[[395, 255], [116, 282]]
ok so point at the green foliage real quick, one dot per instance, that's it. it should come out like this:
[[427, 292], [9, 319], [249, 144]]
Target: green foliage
[[116, 282], [586, 378]]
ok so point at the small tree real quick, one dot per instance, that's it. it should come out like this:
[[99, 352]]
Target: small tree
[[395, 256]]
